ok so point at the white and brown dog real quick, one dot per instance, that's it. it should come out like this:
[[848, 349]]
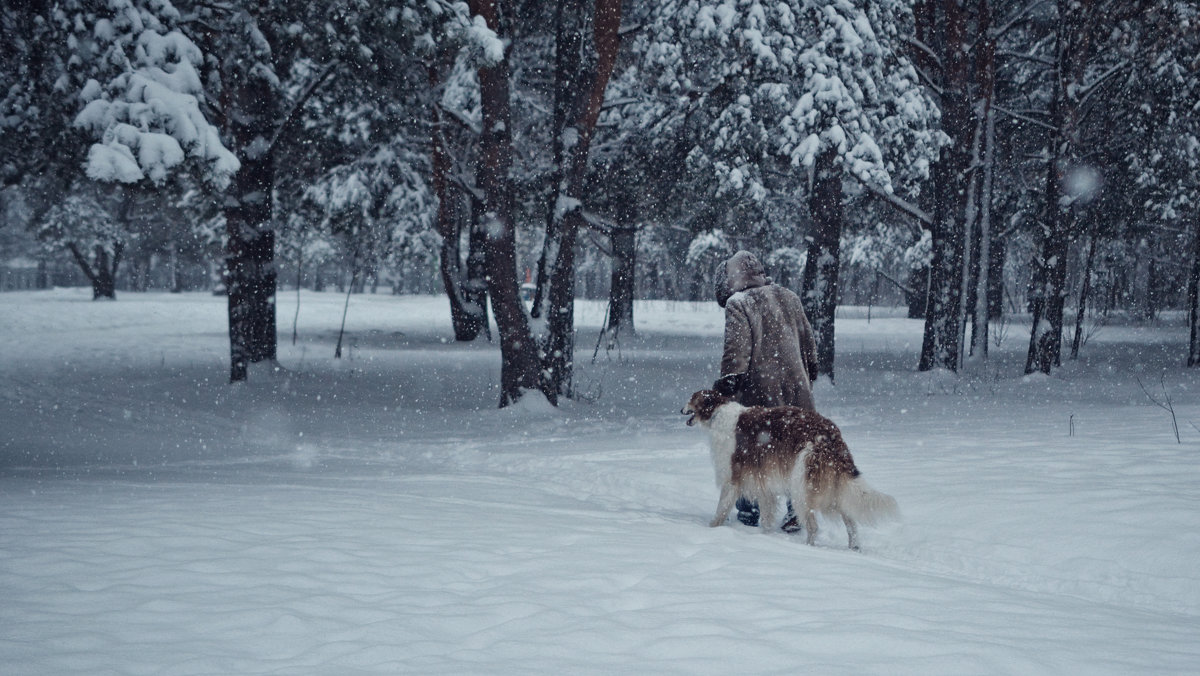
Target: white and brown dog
[[764, 453]]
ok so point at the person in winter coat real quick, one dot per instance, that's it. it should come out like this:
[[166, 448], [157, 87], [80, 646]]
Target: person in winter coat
[[770, 356]]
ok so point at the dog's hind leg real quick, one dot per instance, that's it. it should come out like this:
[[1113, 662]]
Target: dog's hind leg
[[810, 527], [766, 509], [851, 532], [724, 504]]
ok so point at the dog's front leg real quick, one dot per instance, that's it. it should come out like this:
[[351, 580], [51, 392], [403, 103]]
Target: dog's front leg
[[724, 504]]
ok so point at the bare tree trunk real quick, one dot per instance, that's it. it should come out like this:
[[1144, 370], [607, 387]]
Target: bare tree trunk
[[1075, 32], [519, 365], [916, 297], [475, 286], [299, 280], [176, 281], [1193, 358], [43, 274], [1048, 301], [582, 71], [986, 69], [101, 272], [621, 291], [997, 252], [467, 315], [250, 254], [250, 236], [1083, 298], [824, 257], [337, 351], [1050, 265], [971, 234], [941, 344]]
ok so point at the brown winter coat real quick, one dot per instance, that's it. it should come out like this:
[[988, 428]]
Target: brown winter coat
[[767, 337]]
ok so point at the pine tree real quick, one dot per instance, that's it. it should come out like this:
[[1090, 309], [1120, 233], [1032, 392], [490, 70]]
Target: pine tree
[[770, 99]]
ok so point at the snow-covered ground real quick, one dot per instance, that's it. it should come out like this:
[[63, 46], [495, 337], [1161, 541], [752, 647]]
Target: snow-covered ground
[[376, 514]]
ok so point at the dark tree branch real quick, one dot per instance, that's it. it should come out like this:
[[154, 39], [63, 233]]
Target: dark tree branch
[[462, 119], [896, 202], [305, 94], [1024, 118]]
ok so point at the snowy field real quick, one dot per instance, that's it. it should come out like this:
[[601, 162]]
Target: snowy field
[[377, 515]]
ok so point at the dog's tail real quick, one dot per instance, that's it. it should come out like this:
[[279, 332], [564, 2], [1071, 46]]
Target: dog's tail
[[865, 505]]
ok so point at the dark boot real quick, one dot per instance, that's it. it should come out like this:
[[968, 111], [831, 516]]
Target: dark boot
[[747, 512], [791, 524]]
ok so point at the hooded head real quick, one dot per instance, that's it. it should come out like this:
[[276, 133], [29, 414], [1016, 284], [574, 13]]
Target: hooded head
[[742, 271]]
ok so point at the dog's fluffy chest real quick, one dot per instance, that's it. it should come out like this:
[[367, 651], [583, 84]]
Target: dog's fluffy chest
[[723, 438]]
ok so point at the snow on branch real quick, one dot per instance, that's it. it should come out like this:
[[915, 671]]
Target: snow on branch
[[896, 202], [145, 106], [786, 81]]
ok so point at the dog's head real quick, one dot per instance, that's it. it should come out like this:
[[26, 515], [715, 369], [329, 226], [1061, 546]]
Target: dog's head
[[702, 406]]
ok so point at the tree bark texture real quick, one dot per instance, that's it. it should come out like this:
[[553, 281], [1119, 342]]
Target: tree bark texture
[[519, 365], [1193, 293], [917, 296], [982, 263], [621, 287], [941, 344], [101, 271], [997, 252], [583, 68], [1077, 340], [250, 236], [468, 306], [1075, 31], [824, 257]]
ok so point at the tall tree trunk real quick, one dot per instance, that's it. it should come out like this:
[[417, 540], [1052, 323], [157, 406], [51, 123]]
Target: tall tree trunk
[[1193, 358], [824, 257], [519, 366], [475, 286], [1083, 298], [983, 259], [468, 316], [917, 296], [971, 235], [941, 346], [1049, 272], [250, 252], [621, 288], [582, 71], [250, 104], [250, 236], [1077, 20], [997, 252]]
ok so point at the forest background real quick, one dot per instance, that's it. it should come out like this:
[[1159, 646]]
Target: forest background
[[973, 160]]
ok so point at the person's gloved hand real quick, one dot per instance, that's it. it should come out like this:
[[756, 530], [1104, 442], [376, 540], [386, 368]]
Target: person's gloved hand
[[730, 385]]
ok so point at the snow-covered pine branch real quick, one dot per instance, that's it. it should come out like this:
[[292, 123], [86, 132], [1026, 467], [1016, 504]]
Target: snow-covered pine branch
[[789, 81], [143, 101]]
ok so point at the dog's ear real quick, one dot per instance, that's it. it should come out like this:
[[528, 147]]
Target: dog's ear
[[705, 402]]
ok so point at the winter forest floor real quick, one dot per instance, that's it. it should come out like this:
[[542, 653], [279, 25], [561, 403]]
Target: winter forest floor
[[378, 515]]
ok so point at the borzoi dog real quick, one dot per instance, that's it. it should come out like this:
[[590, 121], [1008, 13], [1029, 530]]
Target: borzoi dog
[[784, 451]]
